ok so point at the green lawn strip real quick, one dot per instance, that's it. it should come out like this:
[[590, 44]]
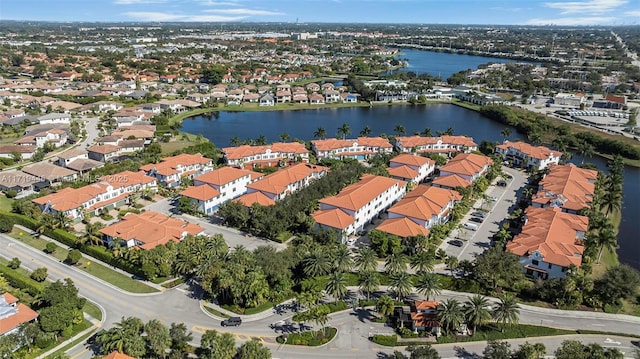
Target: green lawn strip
[[248, 311], [20, 270], [74, 343], [173, 283], [92, 310], [309, 338], [116, 278], [38, 243], [5, 203], [215, 312]]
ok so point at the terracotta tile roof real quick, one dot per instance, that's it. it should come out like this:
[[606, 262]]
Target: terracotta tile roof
[[10, 148], [224, 175], [356, 195], [426, 304], [169, 165], [404, 172], [451, 181], [334, 218], [552, 233], [103, 149], [278, 181], [425, 202], [425, 320], [412, 160], [413, 141], [374, 142], [14, 317], [255, 197], [467, 164], [201, 193], [117, 355], [402, 227], [236, 153], [569, 186], [539, 152], [151, 229], [329, 144]]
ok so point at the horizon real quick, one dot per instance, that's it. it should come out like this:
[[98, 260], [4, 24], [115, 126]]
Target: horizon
[[384, 12]]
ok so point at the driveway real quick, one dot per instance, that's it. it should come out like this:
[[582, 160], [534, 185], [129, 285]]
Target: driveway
[[476, 242], [232, 236]]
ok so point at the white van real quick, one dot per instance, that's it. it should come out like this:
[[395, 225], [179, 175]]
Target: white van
[[470, 226]]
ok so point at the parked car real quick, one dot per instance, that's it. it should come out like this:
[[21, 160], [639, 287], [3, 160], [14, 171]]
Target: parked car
[[470, 226], [492, 198], [456, 242], [479, 214], [476, 219], [502, 183], [508, 176], [232, 322]]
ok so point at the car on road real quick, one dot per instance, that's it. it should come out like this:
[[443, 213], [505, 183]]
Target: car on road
[[476, 219], [479, 214], [456, 242], [231, 322]]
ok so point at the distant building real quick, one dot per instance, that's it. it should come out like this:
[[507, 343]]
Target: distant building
[[528, 156], [273, 155], [171, 169], [361, 148], [568, 187], [445, 145]]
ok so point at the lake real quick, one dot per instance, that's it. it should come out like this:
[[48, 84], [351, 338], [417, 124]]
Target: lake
[[443, 64], [222, 126]]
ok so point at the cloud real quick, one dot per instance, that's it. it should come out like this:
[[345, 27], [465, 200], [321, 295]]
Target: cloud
[[633, 13], [243, 12], [568, 21], [586, 7], [217, 3], [135, 2], [170, 17]]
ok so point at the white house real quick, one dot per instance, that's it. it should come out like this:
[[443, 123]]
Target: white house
[[361, 148], [426, 205], [171, 169], [469, 166], [54, 118], [411, 168], [528, 156], [442, 144]]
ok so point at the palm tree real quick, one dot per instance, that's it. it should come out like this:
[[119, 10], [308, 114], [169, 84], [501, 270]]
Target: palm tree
[[260, 140], [336, 285], [428, 284], [585, 149], [535, 137], [320, 133], [366, 131], [385, 305], [317, 263], [396, 262], [452, 263], [284, 137], [400, 283], [606, 238], [612, 200], [476, 310], [426, 132], [506, 133], [399, 130], [344, 131], [506, 311], [47, 221], [92, 234], [367, 260], [343, 261], [235, 141], [369, 282], [450, 314], [423, 261]]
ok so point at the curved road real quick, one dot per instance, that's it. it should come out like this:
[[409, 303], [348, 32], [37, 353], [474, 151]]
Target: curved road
[[178, 305]]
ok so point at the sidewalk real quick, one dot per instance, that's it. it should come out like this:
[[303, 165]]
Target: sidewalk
[[245, 318], [62, 245]]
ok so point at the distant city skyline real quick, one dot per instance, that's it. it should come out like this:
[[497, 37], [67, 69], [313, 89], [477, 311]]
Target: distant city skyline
[[497, 12]]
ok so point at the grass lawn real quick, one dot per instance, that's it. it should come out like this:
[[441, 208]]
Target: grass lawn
[[215, 312], [116, 278], [92, 310], [37, 243], [170, 147], [20, 270], [5, 203]]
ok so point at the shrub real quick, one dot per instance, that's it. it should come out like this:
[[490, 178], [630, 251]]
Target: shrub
[[386, 340], [6, 224], [73, 257], [14, 263], [40, 274], [12, 193], [23, 282], [50, 248]]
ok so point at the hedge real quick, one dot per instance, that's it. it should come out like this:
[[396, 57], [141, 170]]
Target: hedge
[[386, 340], [23, 282]]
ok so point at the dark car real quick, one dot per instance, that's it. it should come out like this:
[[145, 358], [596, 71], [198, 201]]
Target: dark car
[[479, 214], [456, 242], [502, 183], [476, 219], [232, 322]]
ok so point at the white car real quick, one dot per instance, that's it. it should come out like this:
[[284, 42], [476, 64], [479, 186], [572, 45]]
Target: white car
[[611, 341]]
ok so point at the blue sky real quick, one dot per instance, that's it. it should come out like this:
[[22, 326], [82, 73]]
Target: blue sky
[[521, 12]]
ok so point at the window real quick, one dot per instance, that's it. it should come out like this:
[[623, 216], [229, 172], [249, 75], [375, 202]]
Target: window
[[550, 265], [534, 262]]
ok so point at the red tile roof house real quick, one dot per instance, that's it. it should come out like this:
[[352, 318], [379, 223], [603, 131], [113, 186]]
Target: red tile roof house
[[528, 156], [411, 168], [425, 205], [275, 154], [212, 189], [469, 166], [13, 314], [280, 184], [109, 192], [117, 355], [170, 170], [444, 144], [550, 241], [360, 149], [358, 204], [148, 230], [568, 187], [424, 317]]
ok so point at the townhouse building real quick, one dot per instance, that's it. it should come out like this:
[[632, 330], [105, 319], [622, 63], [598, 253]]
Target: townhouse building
[[442, 144], [170, 170], [550, 242], [358, 204], [411, 168], [469, 166], [360, 149], [528, 156], [214, 188], [148, 230], [108, 192], [568, 187], [55, 137], [425, 205], [275, 154]]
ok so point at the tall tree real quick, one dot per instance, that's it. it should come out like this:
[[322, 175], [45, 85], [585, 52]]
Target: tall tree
[[158, 338], [369, 282], [343, 261], [477, 311], [253, 349], [344, 131], [400, 283], [317, 263], [320, 133], [180, 337], [336, 285], [217, 346], [426, 132], [396, 262], [385, 305], [366, 131], [506, 133], [366, 260], [497, 350], [399, 130], [423, 261], [506, 311], [450, 314], [428, 284]]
